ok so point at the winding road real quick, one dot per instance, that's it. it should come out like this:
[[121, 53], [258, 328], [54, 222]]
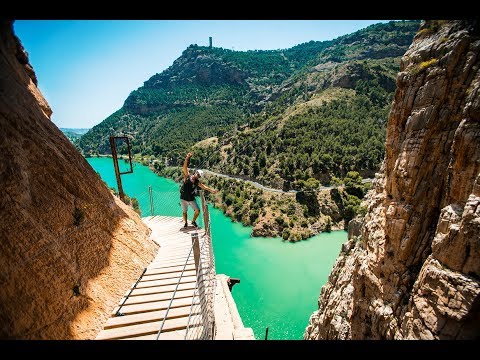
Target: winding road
[[265, 188]]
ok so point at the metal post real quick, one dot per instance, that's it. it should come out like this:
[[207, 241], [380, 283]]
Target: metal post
[[151, 200], [210, 275], [196, 250], [117, 171], [206, 214], [266, 333], [200, 283], [206, 221]]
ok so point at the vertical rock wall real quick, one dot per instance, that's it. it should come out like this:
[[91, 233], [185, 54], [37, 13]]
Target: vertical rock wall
[[68, 249], [413, 271]]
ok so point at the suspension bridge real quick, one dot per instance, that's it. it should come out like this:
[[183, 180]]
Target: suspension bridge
[[178, 296]]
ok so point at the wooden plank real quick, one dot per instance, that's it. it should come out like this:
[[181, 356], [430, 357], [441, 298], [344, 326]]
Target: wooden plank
[[163, 289], [146, 329], [155, 283], [154, 266], [171, 335], [172, 221], [177, 243], [173, 269], [172, 236], [158, 297], [174, 251], [174, 240], [177, 274], [150, 316], [175, 247], [145, 307], [193, 334], [175, 235], [159, 305], [183, 245], [172, 255], [168, 262], [170, 269], [163, 229]]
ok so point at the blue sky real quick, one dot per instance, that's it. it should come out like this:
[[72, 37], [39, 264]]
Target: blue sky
[[87, 68]]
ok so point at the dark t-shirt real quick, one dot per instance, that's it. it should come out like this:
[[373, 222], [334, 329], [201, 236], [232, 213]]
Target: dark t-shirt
[[187, 191]]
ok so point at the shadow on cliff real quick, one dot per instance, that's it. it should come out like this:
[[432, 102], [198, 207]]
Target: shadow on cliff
[[68, 249]]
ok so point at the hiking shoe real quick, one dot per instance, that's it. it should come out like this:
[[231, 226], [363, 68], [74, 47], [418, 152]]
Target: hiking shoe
[[194, 224], [186, 225]]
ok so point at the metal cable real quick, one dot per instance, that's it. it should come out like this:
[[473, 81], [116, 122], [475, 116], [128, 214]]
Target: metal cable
[[118, 313], [174, 293]]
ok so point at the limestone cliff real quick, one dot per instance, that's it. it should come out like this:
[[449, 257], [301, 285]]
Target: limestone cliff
[[412, 269], [68, 249]]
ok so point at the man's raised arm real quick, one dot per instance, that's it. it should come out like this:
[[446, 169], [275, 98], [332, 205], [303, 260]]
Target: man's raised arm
[[185, 164]]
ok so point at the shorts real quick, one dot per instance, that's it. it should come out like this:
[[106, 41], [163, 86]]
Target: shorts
[[192, 203]]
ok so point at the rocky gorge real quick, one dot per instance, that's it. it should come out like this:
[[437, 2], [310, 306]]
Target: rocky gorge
[[411, 266]]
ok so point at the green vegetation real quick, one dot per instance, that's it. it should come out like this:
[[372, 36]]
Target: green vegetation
[[291, 216], [211, 92], [133, 202], [340, 136], [349, 197], [375, 42], [73, 134], [293, 119], [424, 65], [353, 184], [431, 27]]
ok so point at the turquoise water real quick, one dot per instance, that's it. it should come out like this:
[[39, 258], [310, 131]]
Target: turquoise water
[[165, 192], [279, 281]]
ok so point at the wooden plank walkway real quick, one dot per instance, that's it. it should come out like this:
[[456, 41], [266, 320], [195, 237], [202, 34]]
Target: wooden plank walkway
[[144, 307]]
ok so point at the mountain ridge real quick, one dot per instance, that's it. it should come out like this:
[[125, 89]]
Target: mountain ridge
[[235, 86], [295, 118]]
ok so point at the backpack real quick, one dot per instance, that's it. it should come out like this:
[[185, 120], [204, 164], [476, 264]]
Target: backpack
[[195, 191]]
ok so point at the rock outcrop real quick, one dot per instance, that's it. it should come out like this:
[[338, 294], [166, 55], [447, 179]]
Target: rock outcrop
[[68, 248], [197, 66], [414, 270]]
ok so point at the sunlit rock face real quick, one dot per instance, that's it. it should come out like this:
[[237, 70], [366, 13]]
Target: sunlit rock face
[[413, 269], [69, 250]]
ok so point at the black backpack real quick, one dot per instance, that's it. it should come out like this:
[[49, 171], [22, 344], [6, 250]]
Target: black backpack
[[195, 192]]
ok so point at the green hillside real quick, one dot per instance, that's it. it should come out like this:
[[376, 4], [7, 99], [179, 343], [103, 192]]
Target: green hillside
[[315, 110]]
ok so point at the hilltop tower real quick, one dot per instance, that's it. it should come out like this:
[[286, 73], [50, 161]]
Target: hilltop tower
[[210, 42]]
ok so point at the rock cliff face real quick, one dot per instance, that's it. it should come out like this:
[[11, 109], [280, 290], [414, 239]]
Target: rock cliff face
[[412, 270], [68, 249]]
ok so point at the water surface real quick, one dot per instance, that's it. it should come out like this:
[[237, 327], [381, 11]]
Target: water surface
[[279, 281]]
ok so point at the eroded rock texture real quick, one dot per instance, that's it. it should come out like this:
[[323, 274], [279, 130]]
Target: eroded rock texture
[[413, 272], [69, 250]]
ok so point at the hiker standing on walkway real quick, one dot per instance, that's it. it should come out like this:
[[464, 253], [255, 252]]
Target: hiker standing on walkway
[[189, 189]]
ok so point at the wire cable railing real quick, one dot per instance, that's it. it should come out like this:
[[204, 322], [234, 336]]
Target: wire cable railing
[[201, 319], [203, 327]]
